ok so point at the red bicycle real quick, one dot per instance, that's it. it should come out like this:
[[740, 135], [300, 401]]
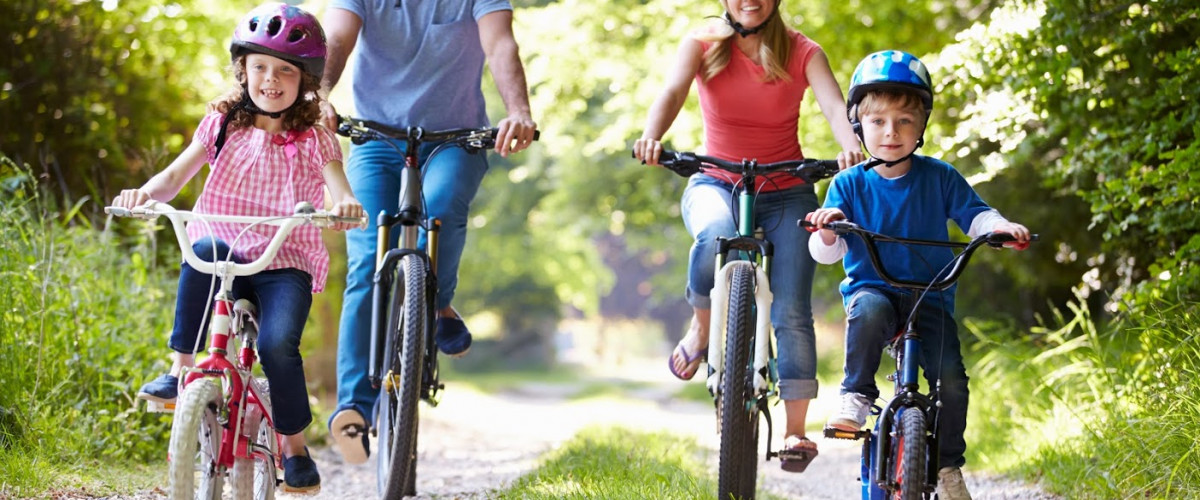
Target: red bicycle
[[222, 426]]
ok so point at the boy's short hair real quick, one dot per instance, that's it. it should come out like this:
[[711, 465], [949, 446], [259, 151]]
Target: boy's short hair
[[877, 100]]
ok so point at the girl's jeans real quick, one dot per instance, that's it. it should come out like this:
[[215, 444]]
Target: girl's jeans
[[451, 180], [708, 213], [873, 317], [283, 298]]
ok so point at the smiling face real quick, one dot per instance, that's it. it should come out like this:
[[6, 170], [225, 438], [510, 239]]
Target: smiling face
[[273, 84], [750, 13], [892, 124]]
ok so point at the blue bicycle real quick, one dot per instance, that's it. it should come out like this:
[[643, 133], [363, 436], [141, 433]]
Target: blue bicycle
[[899, 456]]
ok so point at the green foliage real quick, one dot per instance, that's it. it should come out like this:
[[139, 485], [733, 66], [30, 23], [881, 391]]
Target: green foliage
[[1112, 412], [75, 335], [1094, 99], [95, 95]]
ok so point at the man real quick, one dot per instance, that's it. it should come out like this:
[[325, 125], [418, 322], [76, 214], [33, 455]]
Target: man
[[419, 63]]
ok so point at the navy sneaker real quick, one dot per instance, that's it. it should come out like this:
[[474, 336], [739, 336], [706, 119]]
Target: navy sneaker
[[163, 389], [300, 474], [452, 337]]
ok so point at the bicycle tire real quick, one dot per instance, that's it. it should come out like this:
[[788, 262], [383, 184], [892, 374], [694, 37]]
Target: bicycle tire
[[195, 443], [738, 466], [407, 329], [908, 466], [254, 478]]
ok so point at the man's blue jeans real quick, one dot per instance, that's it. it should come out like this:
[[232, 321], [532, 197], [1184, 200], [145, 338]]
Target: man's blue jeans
[[873, 317], [708, 213], [451, 179], [283, 298]]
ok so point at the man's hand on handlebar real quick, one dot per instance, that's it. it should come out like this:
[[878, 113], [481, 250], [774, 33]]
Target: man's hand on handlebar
[[514, 134]]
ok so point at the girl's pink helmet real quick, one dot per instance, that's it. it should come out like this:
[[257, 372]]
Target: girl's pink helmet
[[281, 30]]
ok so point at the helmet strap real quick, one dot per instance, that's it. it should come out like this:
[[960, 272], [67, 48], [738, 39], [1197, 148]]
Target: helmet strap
[[744, 31]]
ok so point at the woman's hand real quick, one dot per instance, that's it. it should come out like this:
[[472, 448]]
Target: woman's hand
[[648, 150], [850, 158]]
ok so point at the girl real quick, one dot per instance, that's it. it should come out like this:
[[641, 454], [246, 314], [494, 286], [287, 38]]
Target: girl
[[752, 72], [266, 153]]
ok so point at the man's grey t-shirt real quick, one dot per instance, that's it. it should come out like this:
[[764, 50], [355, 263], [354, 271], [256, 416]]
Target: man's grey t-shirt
[[420, 62]]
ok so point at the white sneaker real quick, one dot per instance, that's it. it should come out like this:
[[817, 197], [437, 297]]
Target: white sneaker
[[853, 414], [951, 485]]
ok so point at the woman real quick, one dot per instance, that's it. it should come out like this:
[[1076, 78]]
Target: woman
[[752, 71]]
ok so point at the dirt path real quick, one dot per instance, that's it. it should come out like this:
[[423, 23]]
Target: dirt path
[[475, 443]]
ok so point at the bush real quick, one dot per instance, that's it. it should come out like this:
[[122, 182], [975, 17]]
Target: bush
[[76, 337]]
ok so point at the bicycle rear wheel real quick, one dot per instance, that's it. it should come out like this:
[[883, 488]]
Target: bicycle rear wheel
[[408, 326], [195, 443], [908, 467], [738, 466]]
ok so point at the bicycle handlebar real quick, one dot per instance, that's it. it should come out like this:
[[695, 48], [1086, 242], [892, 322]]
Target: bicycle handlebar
[[869, 238], [360, 131], [687, 163], [305, 214]]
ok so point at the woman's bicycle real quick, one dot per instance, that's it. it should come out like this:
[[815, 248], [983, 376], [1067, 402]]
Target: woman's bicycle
[[742, 375], [403, 362], [222, 425], [900, 455]]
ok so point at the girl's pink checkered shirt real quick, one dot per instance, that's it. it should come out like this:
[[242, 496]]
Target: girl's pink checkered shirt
[[264, 174]]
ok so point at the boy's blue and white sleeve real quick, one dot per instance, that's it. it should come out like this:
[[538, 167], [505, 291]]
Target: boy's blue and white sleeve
[[826, 254], [985, 222]]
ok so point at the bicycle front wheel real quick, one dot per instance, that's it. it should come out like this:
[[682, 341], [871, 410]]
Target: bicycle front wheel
[[908, 467], [408, 326], [738, 414], [254, 478], [195, 443]]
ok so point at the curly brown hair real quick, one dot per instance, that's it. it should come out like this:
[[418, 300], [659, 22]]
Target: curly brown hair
[[300, 117]]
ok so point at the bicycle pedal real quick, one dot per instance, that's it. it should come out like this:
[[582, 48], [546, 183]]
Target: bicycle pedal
[[159, 407], [835, 433]]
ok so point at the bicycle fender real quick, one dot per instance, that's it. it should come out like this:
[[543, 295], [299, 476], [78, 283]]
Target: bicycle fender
[[762, 328]]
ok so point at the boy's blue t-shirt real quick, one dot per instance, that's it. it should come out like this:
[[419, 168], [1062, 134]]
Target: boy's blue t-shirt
[[917, 206], [420, 62]]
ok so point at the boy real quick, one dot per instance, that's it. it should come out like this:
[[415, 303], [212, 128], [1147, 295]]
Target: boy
[[901, 194]]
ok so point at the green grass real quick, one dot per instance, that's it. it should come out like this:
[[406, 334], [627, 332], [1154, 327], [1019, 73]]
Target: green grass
[[1106, 412], [617, 463]]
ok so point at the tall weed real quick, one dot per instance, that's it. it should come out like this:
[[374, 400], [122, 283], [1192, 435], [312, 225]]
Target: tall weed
[[76, 337], [1096, 411]]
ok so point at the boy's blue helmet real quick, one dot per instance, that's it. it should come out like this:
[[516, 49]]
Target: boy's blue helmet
[[890, 70]]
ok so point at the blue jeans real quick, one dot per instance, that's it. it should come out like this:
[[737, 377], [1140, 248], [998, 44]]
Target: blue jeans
[[283, 298], [708, 213], [451, 179], [873, 316]]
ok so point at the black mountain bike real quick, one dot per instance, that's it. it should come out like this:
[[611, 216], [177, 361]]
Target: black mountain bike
[[900, 456], [403, 362], [741, 371]]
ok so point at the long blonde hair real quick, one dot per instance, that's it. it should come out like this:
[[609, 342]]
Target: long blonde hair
[[774, 52]]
